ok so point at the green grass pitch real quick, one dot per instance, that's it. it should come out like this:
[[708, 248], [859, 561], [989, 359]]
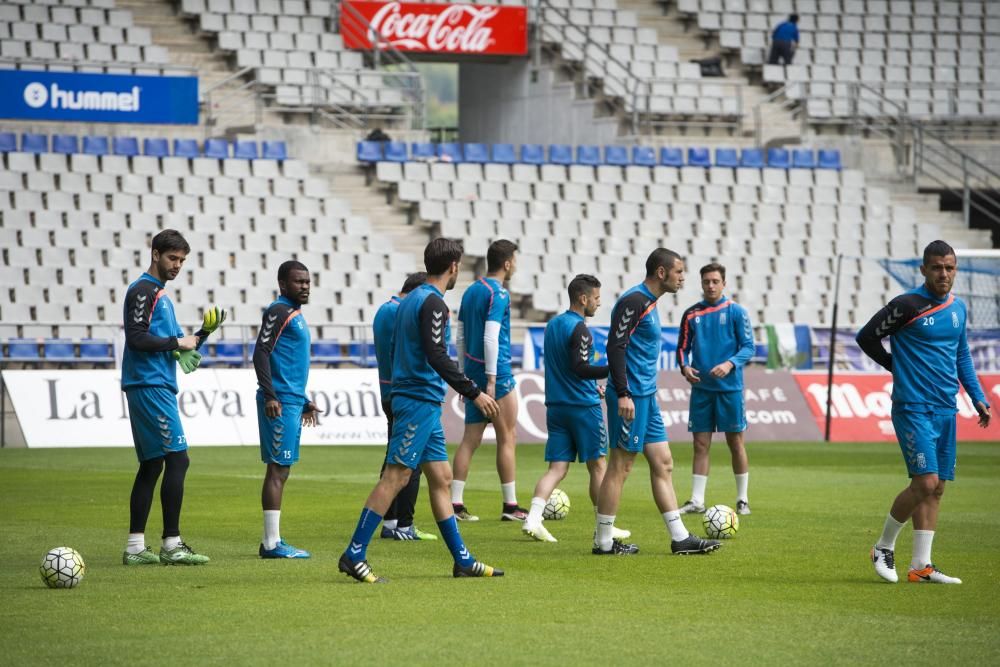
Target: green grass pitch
[[794, 586]]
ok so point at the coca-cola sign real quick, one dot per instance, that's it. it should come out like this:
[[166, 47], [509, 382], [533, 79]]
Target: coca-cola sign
[[428, 28]]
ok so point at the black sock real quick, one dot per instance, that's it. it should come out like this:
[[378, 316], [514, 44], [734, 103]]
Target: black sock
[[142, 494], [172, 492]]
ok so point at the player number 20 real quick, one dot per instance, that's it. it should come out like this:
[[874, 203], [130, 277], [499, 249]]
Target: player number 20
[[928, 321]]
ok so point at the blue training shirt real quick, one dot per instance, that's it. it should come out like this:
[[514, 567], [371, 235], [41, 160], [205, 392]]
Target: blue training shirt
[[385, 320], [281, 357], [930, 351], [151, 333], [634, 343], [711, 334], [570, 379], [786, 32], [484, 301]]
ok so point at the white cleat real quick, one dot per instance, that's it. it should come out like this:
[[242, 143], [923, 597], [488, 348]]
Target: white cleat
[[620, 534], [930, 575], [539, 532], [884, 561]]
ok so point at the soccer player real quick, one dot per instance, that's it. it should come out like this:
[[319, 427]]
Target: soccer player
[[930, 357], [154, 342], [281, 361], [398, 521], [634, 421], [715, 343], [420, 368], [484, 352], [573, 403]]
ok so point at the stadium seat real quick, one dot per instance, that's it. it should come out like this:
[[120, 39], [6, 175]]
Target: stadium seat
[[327, 352], [67, 144], [217, 148], [588, 155], [34, 143], [829, 159], [186, 148], [532, 154], [504, 154], [450, 152], [19, 349], [8, 142], [778, 158], [395, 151], [671, 157], [277, 150], [156, 147], [245, 150], [803, 158], [95, 350], [561, 154], [127, 146], [59, 349], [644, 156], [362, 354], [422, 150], [616, 155], [478, 153], [95, 145], [228, 352], [726, 157], [699, 157], [752, 158]]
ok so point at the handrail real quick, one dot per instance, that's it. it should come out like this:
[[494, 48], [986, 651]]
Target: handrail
[[77, 63]]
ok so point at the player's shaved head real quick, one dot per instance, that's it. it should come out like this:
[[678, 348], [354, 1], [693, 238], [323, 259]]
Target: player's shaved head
[[660, 257], [413, 281], [170, 239], [440, 254], [286, 269], [937, 249]]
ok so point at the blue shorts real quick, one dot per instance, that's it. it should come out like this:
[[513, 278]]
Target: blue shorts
[[279, 437], [505, 385], [576, 433], [156, 423], [417, 435], [721, 411], [927, 440], [646, 427]]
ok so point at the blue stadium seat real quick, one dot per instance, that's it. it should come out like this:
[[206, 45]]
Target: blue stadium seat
[[369, 151], [616, 155], [589, 155], [726, 157], [217, 148], [156, 147], [94, 350], [186, 148], [829, 159], [423, 150], [25, 349], [95, 145], [671, 157], [274, 150], [504, 154], [59, 349], [532, 154], [245, 150], [450, 151], [228, 352], [752, 158], [517, 354], [327, 352], [362, 354], [778, 158], [395, 151], [644, 156], [561, 154], [476, 153], [699, 157], [127, 146], [67, 144], [34, 143], [8, 142], [803, 158]]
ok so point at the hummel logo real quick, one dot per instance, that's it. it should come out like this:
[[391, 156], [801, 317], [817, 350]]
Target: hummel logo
[[141, 297], [272, 318], [883, 329], [264, 339], [355, 548], [437, 315], [464, 553]]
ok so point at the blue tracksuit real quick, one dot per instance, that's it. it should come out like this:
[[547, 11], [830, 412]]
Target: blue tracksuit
[[385, 320], [711, 334]]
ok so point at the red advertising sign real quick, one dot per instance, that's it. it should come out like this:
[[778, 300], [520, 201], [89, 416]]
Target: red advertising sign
[[862, 406], [427, 28]]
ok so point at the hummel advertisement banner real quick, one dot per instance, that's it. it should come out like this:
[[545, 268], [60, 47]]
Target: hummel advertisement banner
[[99, 98]]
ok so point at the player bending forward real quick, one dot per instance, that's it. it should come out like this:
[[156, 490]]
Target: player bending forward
[[930, 356], [573, 414], [420, 367]]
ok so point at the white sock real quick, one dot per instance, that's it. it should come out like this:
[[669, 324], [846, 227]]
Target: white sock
[[698, 484], [136, 543], [457, 491], [890, 531], [742, 481], [271, 532], [509, 494], [922, 541], [676, 527], [171, 542], [602, 536], [535, 513], [390, 524]]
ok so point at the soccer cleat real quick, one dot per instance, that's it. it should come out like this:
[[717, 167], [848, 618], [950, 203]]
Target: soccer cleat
[[462, 513], [884, 561], [693, 545], [359, 570], [742, 507], [182, 554], [617, 549], [930, 575], [477, 569], [406, 534], [513, 513], [421, 535], [619, 534], [282, 550], [539, 532], [145, 557], [691, 507]]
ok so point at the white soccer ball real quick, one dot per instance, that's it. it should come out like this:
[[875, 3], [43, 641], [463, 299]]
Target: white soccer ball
[[557, 507], [721, 522], [62, 567]]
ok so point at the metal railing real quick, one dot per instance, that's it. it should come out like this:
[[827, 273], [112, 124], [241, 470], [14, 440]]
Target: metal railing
[[99, 67], [219, 99]]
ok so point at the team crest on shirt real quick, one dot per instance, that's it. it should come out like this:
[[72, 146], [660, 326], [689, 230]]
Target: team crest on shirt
[[697, 319], [722, 318], [954, 319]]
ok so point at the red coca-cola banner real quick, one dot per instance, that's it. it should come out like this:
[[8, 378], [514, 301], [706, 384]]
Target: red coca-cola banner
[[862, 406], [427, 28]]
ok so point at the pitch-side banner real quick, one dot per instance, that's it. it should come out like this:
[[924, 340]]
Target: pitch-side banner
[[862, 406], [482, 30]]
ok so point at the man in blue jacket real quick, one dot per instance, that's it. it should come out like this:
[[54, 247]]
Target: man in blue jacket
[[784, 41]]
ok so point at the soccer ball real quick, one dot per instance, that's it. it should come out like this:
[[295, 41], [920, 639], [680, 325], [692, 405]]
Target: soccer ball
[[558, 505], [62, 567], [721, 522]]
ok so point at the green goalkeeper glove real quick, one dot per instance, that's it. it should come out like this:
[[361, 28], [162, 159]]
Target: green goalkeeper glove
[[188, 360], [212, 320]]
